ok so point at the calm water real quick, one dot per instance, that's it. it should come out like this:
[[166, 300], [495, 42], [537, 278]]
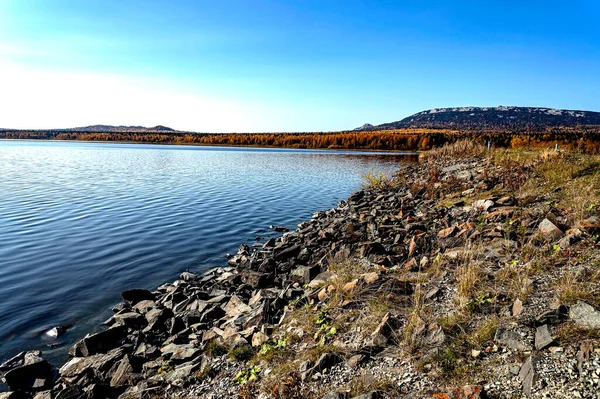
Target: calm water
[[80, 222]]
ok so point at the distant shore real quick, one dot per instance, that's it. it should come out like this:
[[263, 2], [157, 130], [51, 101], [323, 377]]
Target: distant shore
[[258, 147], [579, 138]]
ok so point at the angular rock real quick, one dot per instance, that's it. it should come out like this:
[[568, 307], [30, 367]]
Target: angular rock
[[334, 395], [147, 351], [306, 369], [349, 286], [212, 314], [98, 364], [543, 338], [212, 334], [20, 395], [510, 339], [261, 295], [287, 253], [259, 338], [467, 392], [370, 278], [370, 395], [372, 248], [236, 307], [356, 360], [15, 361], [237, 341], [56, 332], [304, 274], [100, 342], [157, 320], [322, 279], [483, 205], [552, 316], [449, 232], [517, 308], [34, 374], [326, 362], [185, 353], [384, 330], [182, 372], [549, 231], [145, 306], [528, 375], [435, 335], [585, 315], [131, 319], [256, 279], [590, 225], [136, 295], [123, 372]]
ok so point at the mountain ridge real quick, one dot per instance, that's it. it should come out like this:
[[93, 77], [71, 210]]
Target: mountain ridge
[[105, 129], [491, 117]]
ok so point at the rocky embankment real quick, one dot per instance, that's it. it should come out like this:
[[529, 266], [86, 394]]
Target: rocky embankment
[[447, 282]]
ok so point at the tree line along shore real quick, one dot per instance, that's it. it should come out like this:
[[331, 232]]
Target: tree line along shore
[[583, 138]]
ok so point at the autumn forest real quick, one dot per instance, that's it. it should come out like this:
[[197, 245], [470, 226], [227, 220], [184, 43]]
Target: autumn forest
[[584, 138]]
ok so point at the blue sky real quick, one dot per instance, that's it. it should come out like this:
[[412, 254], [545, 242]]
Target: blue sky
[[288, 65]]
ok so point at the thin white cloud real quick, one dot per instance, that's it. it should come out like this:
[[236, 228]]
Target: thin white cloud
[[13, 50], [37, 99]]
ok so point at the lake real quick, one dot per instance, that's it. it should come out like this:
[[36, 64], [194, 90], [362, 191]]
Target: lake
[[81, 222]]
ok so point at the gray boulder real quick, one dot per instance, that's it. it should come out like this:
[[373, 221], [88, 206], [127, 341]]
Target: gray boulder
[[585, 315], [34, 374], [100, 342]]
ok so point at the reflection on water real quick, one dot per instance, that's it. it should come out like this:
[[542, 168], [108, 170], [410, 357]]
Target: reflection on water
[[80, 222]]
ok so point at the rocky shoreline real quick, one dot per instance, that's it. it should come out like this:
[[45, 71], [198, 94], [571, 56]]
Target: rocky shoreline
[[439, 283]]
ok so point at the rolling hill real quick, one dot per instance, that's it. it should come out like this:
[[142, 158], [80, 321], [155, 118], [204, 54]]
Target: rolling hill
[[491, 118]]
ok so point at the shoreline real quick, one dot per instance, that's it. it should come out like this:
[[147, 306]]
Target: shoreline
[[317, 150], [389, 283], [83, 318]]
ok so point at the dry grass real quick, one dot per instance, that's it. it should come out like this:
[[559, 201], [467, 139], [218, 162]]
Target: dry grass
[[514, 277], [523, 156], [571, 180], [483, 332], [568, 332], [379, 180], [346, 271], [573, 287], [455, 321], [456, 150], [416, 315], [581, 195], [366, 382], [468, 276], [370, 315]]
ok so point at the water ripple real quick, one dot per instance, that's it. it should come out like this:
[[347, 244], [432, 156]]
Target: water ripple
[[81, 222]]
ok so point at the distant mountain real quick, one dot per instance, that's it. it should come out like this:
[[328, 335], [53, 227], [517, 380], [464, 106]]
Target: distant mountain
[[119, 129], [366, 126], [102, 129], [492, 118]]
